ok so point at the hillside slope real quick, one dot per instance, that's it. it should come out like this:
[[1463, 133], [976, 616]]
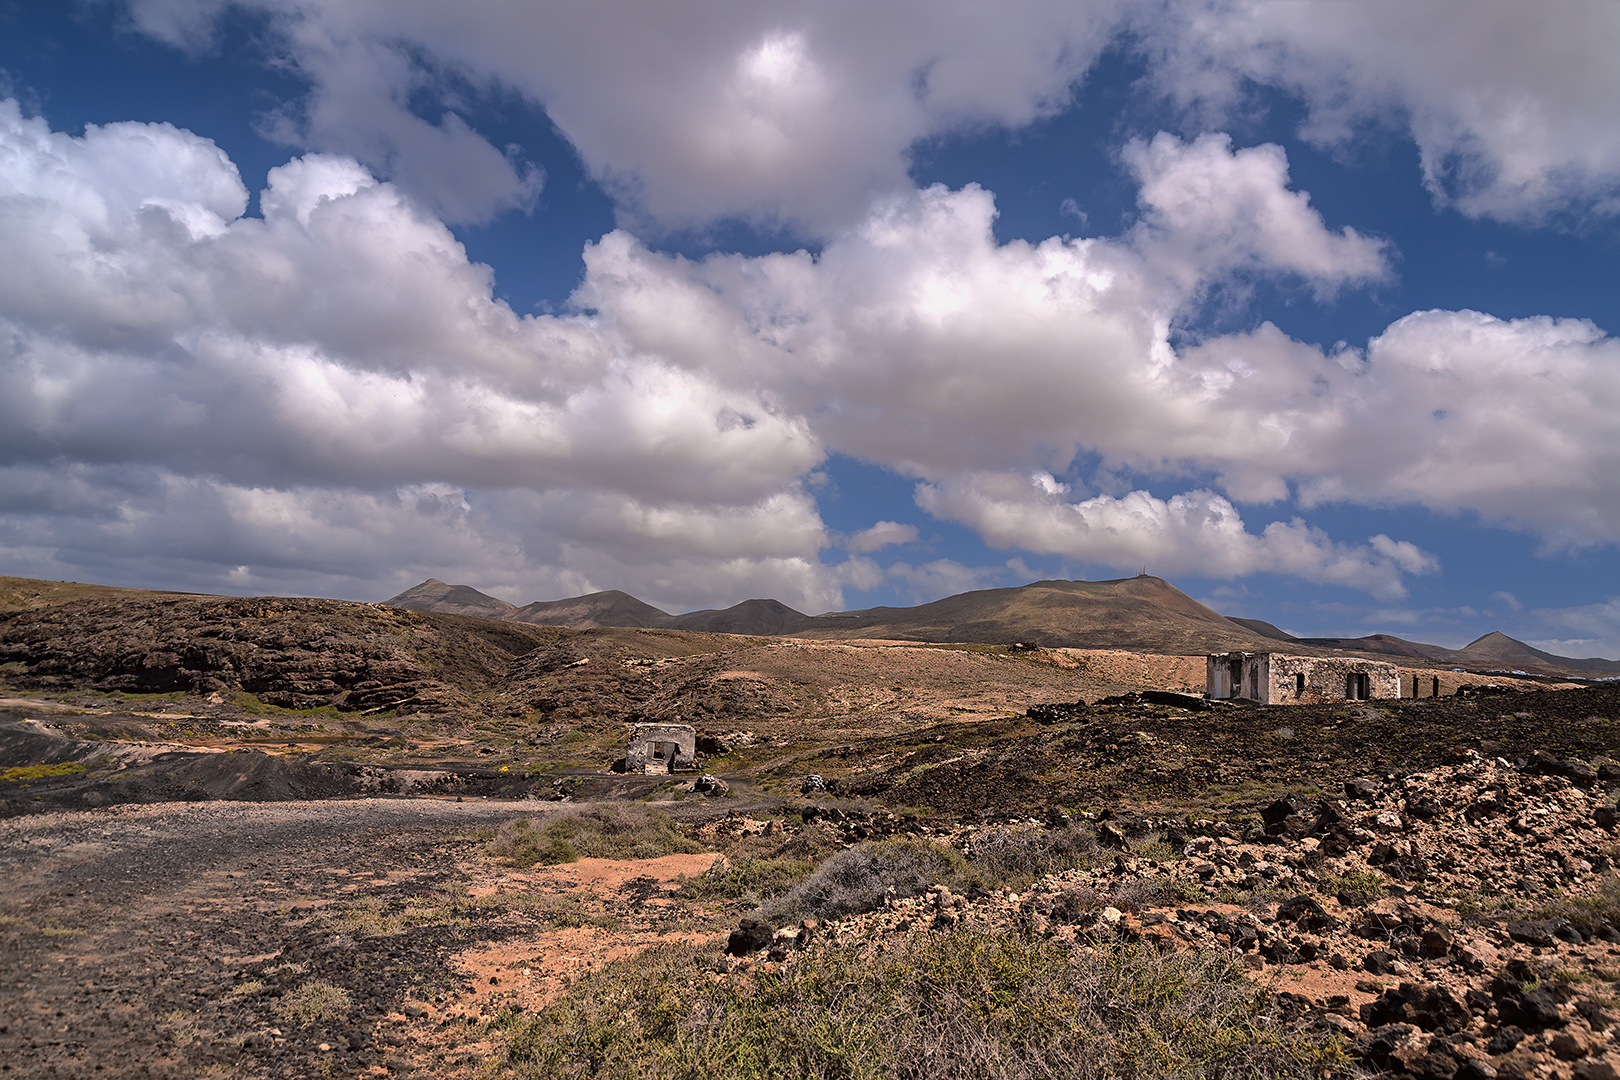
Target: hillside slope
[[591, 611], [1498, 650], [1142, 614], [1145, 614], [435, 595], [290, 653]]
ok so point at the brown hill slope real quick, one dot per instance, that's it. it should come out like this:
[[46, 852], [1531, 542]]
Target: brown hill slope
[[26, 594], [593, 610], [290, 653], [1386, 645], [1498, 650], [1143, 614], [1494, 651], [759, 617], [435, 595], [1264, 629]]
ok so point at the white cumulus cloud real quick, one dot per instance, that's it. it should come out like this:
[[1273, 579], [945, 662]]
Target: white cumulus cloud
[[1509, 103], [881, 535], [1197, 532], [1209, 209], [800, 114], [270, 391], [340, 360]]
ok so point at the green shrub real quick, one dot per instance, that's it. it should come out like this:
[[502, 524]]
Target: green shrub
[[857, 879], [1362, 885], [939, 1006], [745, 879], [1135, 894], [601, 832], [42, 772]]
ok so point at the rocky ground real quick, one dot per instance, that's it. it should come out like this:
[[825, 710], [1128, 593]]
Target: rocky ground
[[1456, 922], [163, 941], [350, 937], [197, 887]]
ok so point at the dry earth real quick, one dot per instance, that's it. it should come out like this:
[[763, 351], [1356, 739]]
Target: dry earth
[[161, 919], [183, 940]]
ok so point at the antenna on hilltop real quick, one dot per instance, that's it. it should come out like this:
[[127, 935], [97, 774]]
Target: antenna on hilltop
[[1142, 572]]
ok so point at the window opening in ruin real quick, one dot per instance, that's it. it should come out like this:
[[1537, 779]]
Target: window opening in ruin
[[1235, 673], [1299, 682]]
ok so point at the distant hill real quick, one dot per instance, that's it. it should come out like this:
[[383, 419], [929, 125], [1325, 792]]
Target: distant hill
[[1386, 644], [1264, 629], [1497, 650], [758, 617], [1494, 651], [610, 608], [435, 595], [1139, 614], [1142, 614]]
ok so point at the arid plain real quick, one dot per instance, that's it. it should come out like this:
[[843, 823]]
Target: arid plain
[[275, 837]]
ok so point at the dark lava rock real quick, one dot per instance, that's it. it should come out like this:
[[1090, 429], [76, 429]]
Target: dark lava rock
[[1378, 962], [1057, 712], [1378, 1045], [1305, 911], [1532, 1010], [1428, 1006], [1362, 789], [1543, 933], [751, 935], [1287, 815]]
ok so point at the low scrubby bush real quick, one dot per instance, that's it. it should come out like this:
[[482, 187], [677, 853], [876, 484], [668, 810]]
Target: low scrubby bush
[[937, 1006], [1362, 886], [1588, 914], [603, 832], [757, 868], [857, 879], [315, 1000], [1015, 857], [1135, 894]]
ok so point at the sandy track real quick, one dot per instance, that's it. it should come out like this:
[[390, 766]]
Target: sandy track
[[127, 935]]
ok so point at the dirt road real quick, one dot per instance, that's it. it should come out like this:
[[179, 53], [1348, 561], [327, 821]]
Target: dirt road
[[177, 940]]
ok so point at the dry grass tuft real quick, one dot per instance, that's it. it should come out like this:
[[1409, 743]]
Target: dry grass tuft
[[609, 831], [937, 1006]]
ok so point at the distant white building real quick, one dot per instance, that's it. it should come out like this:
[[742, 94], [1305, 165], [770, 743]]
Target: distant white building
[[1279, 679]]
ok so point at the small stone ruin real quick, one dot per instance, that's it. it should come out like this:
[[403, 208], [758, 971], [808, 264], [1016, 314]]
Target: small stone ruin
[[661, 748], [1280, 679]]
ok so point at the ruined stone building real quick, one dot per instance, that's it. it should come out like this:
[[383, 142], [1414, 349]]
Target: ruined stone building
[[1279, 679], [661, 748]]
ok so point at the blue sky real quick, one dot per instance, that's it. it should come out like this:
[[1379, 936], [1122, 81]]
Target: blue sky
[[1308, 308]]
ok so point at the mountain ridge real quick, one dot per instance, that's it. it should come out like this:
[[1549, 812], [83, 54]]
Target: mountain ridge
[[1142, 613]]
